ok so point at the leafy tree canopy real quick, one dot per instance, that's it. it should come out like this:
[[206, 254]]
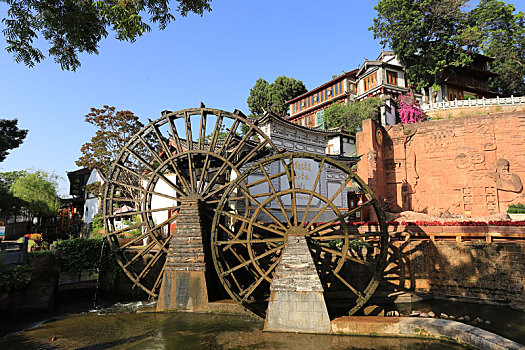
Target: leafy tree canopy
[[10, 136], [431, 36], [74, 26], [39, 192], [499, 32], [423, 34], [9, 204], [272, 97], [350, 116], [114, 130]]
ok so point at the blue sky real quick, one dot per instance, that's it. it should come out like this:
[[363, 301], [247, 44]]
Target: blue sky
[[215, 59]]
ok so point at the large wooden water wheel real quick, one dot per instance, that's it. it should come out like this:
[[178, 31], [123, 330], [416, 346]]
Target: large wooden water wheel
[[250, 197], [297, 194], [193, 153]]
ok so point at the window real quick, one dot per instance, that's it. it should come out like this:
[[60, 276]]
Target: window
[[454, 94], [319, 116], [391, 77], [370, 82]]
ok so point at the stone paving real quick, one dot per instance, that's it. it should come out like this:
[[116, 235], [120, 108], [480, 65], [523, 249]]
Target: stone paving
[[423, 327]]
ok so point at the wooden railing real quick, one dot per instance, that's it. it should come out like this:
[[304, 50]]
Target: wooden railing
[[506, 101], [488, 233]]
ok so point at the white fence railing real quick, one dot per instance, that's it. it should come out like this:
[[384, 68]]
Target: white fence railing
[[506, 101]]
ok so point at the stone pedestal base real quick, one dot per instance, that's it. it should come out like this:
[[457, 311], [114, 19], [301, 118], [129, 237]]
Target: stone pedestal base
[[184, 283], [296, 301], [182, 290]]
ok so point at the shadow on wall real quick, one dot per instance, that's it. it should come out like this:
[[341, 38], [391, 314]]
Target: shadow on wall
[[473, 271]]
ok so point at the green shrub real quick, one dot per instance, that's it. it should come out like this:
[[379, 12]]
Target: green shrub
[[516, 209], [95, 226], [15, 279], [78, 254], [132, 233]]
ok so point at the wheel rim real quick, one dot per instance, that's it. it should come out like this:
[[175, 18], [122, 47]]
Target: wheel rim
[[193, 153], [247, 241]]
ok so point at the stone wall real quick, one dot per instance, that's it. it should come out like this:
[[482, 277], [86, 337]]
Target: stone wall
[[471, 166], [39, 294], [471, 271]]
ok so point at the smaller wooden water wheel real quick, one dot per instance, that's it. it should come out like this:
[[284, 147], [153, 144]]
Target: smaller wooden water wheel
[[297, 194], [189, 154]]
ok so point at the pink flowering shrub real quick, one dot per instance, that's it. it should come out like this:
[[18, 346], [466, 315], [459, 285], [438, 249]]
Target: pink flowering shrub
[[409, 109]]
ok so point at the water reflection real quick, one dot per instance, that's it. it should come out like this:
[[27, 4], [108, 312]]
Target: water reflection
[[109, 330]]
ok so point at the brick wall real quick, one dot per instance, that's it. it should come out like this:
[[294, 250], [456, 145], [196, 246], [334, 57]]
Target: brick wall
[[492, 273]]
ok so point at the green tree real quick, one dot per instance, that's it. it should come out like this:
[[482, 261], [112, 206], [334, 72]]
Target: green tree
[[431, 36], [499, 32], [350, 116], [258, 99], [38, 190], [272, 97], [424, 35], [10, 136], [9, 204], [74, 26]]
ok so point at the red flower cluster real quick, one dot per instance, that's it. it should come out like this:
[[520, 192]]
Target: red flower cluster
[[34, 236], [439, 223], [446, 223], [507, 223]]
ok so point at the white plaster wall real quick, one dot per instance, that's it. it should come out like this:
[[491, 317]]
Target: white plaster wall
[[335, 146], [158, 202], [91, 208], [92, 204]]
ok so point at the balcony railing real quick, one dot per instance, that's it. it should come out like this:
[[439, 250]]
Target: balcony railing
[[506, 101]]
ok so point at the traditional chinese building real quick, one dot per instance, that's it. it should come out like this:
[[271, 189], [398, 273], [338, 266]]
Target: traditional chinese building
[[461, 83], [385, 77]]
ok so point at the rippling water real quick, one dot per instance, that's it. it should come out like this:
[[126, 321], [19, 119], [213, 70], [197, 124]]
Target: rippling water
[[120, 327]]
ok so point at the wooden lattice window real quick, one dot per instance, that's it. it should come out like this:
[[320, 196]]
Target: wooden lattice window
[[391, 77]]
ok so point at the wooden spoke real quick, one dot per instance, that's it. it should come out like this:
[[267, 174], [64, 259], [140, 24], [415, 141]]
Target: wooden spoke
[[260, 227], [144, 251], [294, 195], [274, 193], [143, 211], [318, 176], [252, 153], [173, 129], [152, 261], [346, 256], [169, 155], [124, 229], [335, 220], [254, 285], [348, 179], [261, 181], [202, 130], [251, 241], [266, 211], [215, 135], [355, 291], [249, 221], [252, 260]]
